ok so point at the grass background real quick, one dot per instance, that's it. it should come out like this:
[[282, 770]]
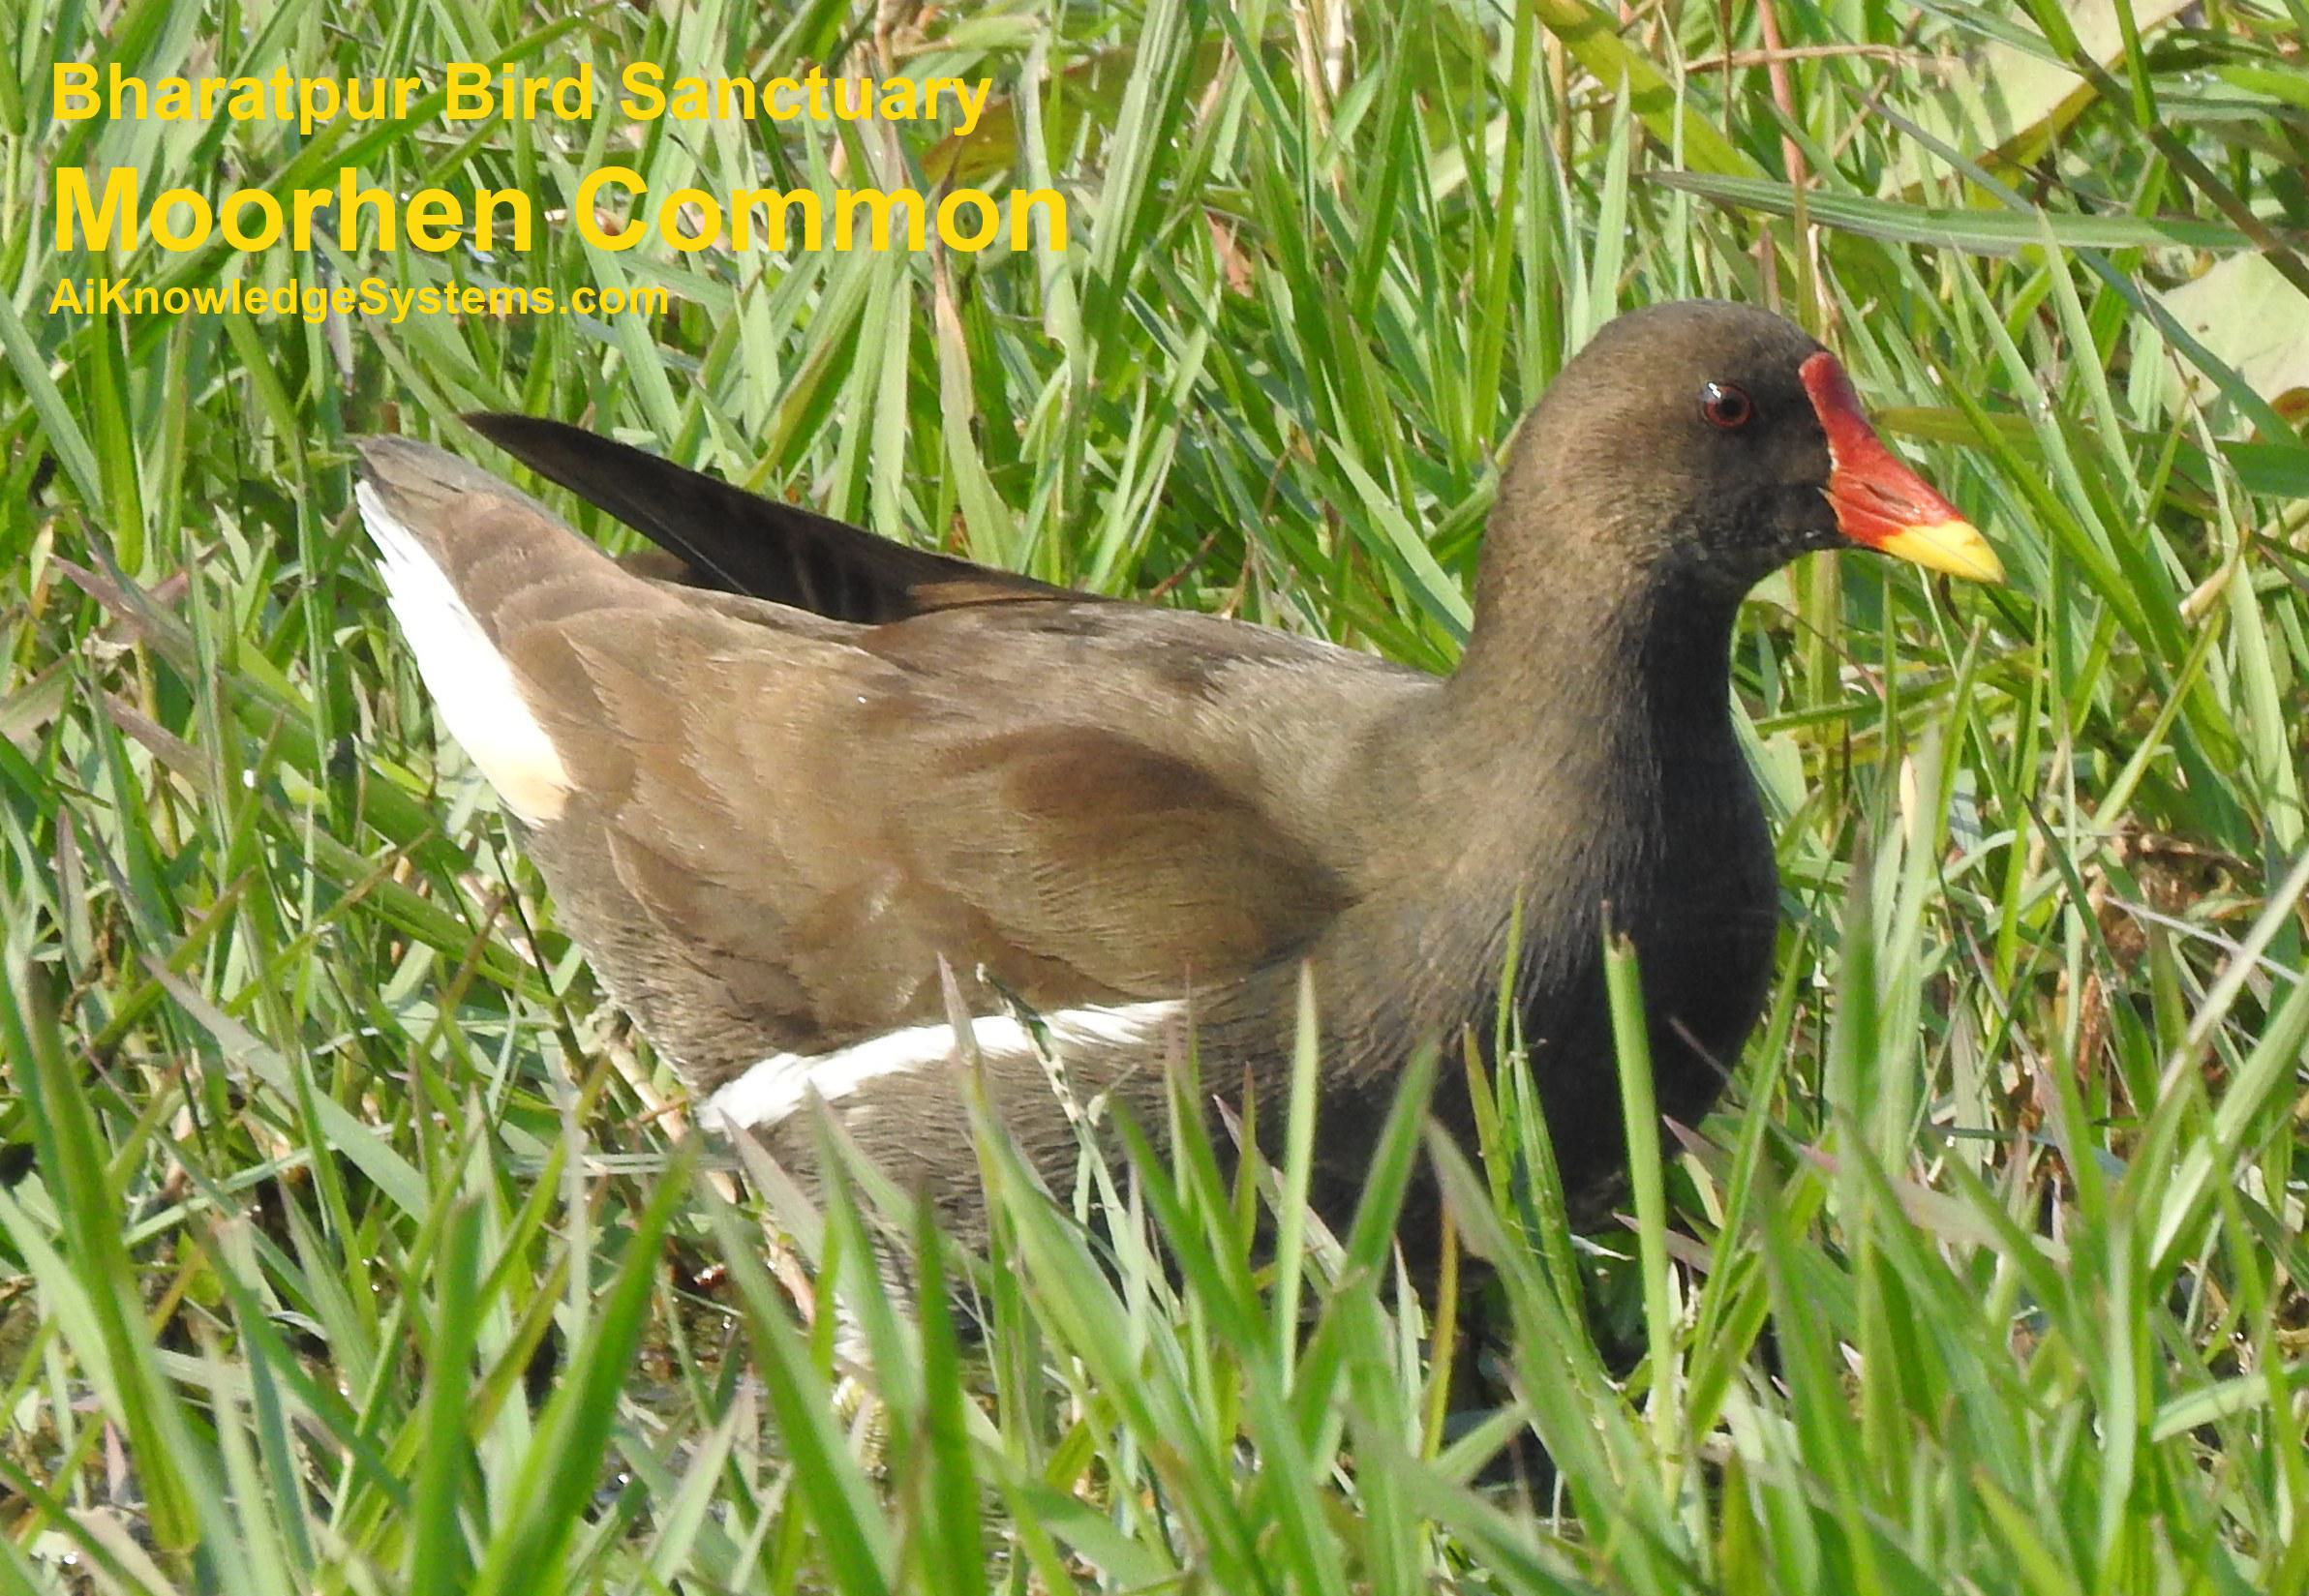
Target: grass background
[[349, 1244]]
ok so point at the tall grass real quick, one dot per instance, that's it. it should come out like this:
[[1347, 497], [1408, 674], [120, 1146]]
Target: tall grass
[[357, 1246]]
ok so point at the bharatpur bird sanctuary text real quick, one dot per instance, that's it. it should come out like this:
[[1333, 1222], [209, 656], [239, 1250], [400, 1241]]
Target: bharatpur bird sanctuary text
[[109, 208]]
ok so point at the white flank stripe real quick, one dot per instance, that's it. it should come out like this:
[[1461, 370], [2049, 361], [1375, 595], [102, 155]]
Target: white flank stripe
[[468, 678], [774, 1088]]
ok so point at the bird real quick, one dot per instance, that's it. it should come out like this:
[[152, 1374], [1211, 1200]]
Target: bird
[[779, 772]]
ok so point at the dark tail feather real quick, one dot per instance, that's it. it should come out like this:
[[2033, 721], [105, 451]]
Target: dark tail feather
[[737, 542]]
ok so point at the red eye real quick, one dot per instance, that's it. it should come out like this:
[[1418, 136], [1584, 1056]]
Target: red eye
[[1725, 405]]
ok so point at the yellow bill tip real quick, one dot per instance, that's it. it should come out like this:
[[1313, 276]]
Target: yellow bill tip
[[1953, 546]]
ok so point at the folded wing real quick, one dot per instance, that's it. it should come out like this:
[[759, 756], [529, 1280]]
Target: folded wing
[[766, 826]]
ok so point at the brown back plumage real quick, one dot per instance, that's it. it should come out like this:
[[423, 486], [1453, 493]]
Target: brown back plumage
[[777, 824]]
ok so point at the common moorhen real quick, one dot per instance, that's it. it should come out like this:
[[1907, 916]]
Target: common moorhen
[[772, 784]]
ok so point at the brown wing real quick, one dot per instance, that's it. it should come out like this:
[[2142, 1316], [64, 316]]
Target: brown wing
[[770, 826], [727, 539]]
